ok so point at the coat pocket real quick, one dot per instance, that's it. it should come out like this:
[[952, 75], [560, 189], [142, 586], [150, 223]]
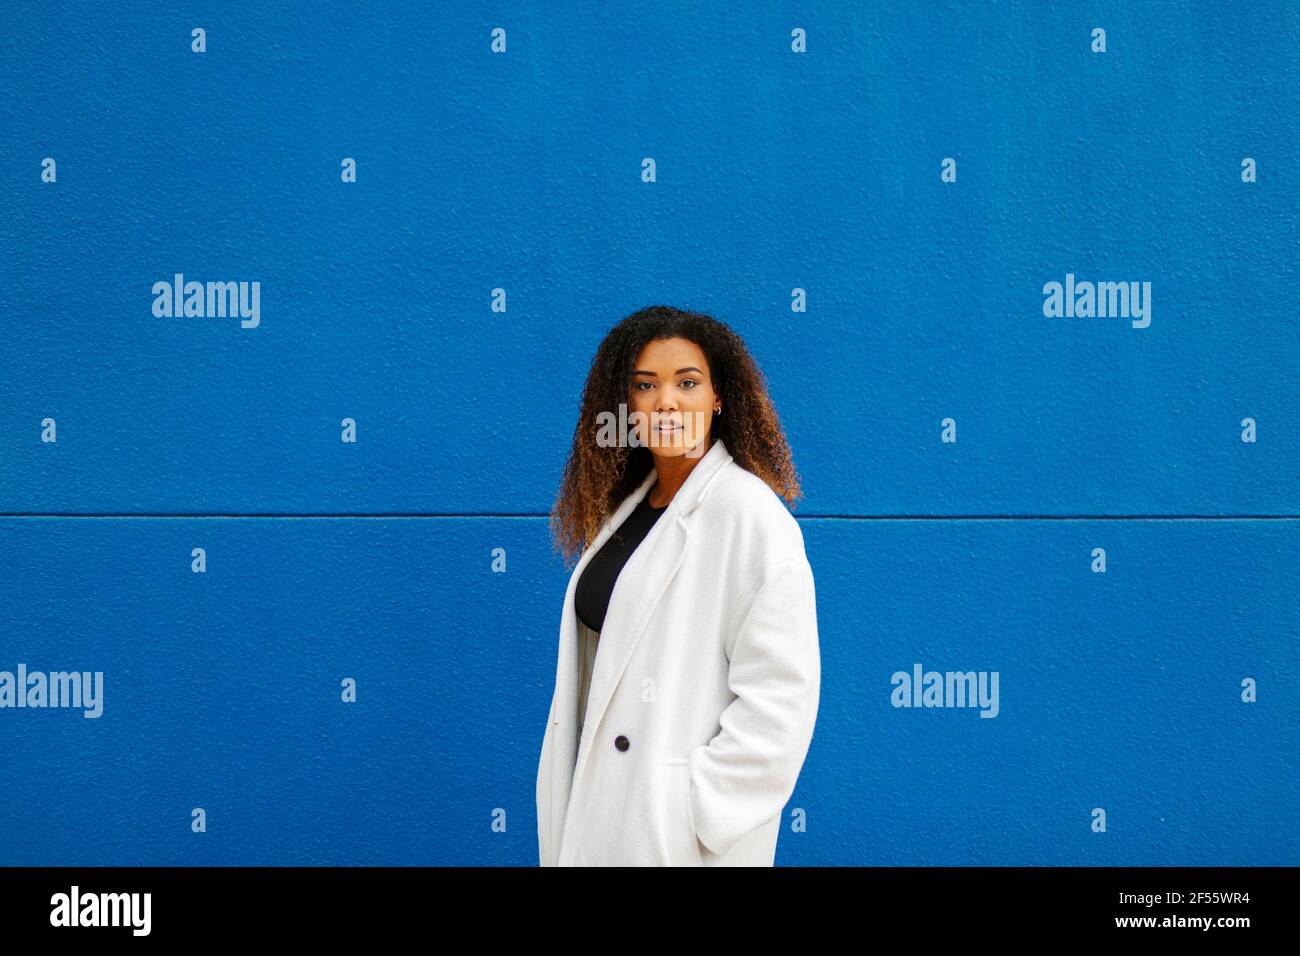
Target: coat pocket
[[684, 843]]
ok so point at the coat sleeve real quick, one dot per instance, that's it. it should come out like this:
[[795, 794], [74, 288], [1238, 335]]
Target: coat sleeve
[[743, 777]]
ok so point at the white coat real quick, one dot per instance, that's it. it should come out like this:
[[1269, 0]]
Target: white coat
[[704, 690]]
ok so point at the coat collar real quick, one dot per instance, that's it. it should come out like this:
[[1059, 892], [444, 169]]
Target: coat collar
[[688, 498], [696, 485], [638, 590]]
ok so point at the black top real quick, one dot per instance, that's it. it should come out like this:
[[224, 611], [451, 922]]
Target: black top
[[591, 598]]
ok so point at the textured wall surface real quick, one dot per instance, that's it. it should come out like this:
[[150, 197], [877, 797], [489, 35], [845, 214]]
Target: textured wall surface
[[874, 195]]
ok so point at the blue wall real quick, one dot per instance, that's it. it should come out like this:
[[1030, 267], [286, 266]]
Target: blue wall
[[521, 171]]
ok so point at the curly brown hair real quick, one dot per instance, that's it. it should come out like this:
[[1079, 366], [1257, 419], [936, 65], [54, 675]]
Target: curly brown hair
[[596, 479]]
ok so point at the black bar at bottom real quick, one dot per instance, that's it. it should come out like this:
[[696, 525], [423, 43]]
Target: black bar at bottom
[[213, 904]]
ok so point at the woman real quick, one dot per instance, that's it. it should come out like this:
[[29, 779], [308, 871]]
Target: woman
[[688, 676]]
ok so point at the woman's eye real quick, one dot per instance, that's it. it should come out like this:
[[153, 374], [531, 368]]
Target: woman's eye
[[648, 385]]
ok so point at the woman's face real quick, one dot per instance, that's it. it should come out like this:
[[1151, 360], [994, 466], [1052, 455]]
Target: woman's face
[[671, 400]]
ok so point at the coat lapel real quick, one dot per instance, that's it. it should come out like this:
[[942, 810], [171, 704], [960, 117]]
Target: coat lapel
[[638, 589], [564, 744]]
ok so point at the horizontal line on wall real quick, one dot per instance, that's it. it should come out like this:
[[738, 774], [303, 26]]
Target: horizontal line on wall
[[462, 515]]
